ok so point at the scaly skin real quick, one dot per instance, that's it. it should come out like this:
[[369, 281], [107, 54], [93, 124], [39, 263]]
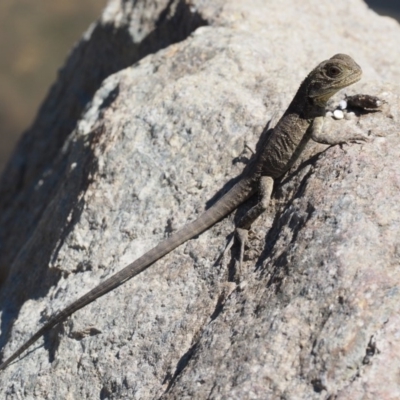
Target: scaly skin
[[301, 122]]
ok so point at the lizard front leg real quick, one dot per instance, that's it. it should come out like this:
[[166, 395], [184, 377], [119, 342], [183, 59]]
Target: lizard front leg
[[266, 185], [333, 138]]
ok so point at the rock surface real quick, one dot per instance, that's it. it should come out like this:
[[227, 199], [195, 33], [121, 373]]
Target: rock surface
[[150, 121]]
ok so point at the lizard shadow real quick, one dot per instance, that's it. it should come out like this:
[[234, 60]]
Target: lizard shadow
[[283, 218]]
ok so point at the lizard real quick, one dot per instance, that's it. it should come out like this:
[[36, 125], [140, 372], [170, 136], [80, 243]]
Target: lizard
[[302, 121]]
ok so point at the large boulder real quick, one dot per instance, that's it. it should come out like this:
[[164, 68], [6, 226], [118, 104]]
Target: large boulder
[[150, 121]]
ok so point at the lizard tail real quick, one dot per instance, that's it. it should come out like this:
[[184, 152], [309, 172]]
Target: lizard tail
[[224, 206]]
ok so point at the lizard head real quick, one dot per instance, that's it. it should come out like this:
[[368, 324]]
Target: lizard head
[[330, 76]]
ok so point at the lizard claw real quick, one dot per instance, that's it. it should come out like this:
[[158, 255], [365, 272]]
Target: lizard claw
[[359, 139]]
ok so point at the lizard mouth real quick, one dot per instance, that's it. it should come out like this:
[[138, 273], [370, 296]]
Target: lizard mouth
[[350, 80], [353, 78]]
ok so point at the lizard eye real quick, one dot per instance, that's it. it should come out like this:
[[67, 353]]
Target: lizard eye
[[333, 71]]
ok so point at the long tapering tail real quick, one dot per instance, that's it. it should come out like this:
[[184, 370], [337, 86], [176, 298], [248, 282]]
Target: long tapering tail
[[230, 201]]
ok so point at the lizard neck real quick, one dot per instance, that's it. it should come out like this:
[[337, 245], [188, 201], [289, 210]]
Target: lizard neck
[[304, 106]]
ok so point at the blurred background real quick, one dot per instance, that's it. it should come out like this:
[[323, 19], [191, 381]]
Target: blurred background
[[35, 39]]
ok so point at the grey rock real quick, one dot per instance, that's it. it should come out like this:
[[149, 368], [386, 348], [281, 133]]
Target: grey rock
[[149, 121]]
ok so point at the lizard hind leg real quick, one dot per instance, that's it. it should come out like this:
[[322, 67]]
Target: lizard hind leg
[[266, 185]]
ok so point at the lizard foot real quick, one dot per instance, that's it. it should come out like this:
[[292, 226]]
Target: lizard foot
[[359, 139]]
